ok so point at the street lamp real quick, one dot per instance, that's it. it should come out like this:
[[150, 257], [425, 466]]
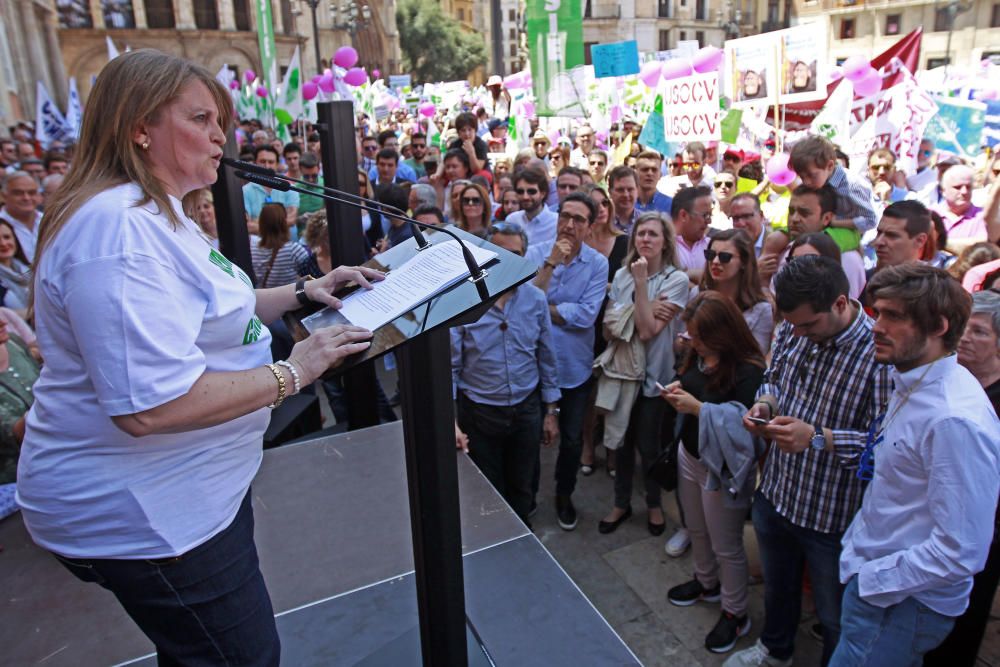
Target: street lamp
[[313, 4], [730, 23], [954, 8], [347, 16]]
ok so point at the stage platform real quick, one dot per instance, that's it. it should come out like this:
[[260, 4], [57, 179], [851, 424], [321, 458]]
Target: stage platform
[[333, 532]]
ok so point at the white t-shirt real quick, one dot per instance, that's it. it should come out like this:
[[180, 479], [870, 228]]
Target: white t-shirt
[[130, 313]]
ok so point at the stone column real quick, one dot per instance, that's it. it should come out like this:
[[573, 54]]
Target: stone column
[[139, 11], [184, 15], [96, 15], [277, 18], [227, 14]]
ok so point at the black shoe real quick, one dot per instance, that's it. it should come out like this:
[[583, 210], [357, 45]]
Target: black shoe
[[656, 529], [685, 595], [723, 636], [566, 512], [605, 527]]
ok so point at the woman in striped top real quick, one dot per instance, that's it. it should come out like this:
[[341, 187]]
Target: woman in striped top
[[277, 260]]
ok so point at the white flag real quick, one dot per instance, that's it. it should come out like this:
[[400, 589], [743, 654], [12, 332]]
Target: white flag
[[834, 120], [50, 124], [112, 49], [74, 110], [290, 98]]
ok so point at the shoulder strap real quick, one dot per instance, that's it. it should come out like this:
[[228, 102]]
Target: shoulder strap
[[270, 265]]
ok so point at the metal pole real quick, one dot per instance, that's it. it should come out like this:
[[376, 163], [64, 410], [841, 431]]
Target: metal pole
[[319, 61]]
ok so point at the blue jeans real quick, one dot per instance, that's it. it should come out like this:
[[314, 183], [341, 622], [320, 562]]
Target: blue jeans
[[572, 407], [208, 606], [896, 636], [785, 550], [503, 442]]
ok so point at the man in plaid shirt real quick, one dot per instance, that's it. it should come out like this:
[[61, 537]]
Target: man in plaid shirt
[[819, 397]]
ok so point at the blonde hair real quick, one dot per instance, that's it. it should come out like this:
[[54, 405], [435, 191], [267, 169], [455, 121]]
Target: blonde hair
[[669, 254], [131, 89]]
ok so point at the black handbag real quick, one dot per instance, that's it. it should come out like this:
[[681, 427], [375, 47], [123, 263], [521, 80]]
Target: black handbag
[[663, 470]]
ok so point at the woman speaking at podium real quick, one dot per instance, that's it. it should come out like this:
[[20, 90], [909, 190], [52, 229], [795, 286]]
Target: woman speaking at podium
[[151, 406]]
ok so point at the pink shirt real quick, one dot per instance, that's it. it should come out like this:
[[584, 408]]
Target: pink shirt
[[970, 225], [691, 257]]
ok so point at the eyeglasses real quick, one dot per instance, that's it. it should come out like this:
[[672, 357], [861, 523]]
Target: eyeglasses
[[312, 178], [744, 216], [676, 165], [724, 184], [369, 148], [472, 201], [555, 156], [724, 257], [574, 218], [704, 216], [526, 191]]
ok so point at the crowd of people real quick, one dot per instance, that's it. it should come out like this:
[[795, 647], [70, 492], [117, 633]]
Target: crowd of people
[[822, 357]]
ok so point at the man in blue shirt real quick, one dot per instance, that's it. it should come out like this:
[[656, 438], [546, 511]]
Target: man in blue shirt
[[255, 196], [388, 139], [574, 277], [647, 170], [537, 219], [503, 370]]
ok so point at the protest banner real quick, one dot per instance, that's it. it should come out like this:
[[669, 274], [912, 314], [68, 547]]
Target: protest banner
[[50, 124], [268, 57], [400, 81], [958, 126], [804, 74], [555, 43], [991, 124], [652, 135], [615, 59], [691, 109], [751, 77]]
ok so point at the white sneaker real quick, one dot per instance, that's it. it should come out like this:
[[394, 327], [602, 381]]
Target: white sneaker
[[755, 656], [678, 543]]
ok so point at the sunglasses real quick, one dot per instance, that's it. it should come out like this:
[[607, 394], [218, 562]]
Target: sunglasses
[[472, 201], [312, 178], [724, 257], [369, 149], [724, 184], [526, 191], [692, 165], [676, 165]]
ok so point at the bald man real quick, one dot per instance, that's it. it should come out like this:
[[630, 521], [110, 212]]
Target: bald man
[[963, 219]]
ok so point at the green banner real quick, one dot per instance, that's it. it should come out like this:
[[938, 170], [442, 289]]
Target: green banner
[[268, 55], [555, 42]]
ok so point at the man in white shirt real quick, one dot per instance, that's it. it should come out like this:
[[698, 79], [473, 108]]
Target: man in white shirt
[[579, 157], [696, 172], [21, 200], [933, 457], [537, 220]]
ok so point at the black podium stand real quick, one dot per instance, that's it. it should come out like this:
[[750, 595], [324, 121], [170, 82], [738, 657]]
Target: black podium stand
[[421, 342]]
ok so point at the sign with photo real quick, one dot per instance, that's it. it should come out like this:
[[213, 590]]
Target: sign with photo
[[784, 66], [751, 70], [803, 72]]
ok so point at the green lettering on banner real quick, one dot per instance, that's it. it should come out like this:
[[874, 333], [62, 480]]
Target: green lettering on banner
[[217, 258], [252, 333], [555, 44]]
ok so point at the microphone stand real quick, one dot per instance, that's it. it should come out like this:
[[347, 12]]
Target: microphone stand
[[477, 274]]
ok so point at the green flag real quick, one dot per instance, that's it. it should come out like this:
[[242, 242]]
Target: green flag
[[555, 42], [290, 99], [268, 57], [731, 126]]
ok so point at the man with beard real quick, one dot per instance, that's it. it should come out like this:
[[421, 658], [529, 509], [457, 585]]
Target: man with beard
[[418, 151], [537, 219], [933, 458]]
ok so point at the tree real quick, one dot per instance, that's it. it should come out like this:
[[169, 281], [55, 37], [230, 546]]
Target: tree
[[434, 46]]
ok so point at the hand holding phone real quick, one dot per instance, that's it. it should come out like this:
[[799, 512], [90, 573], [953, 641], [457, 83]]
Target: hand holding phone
[[759, 421]]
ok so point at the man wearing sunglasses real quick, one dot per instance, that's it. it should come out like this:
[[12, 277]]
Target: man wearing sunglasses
[[506, 384], [925, 176], [574, 277], [418, 152], [537, 219], [695, 172]]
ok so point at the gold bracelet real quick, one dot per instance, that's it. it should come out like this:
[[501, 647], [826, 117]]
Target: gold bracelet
[[281, 386]]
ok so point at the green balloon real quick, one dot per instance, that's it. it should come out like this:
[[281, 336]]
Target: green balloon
[[283, 117]]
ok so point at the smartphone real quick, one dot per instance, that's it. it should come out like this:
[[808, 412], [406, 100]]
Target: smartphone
[[431, 166], [759, 421], [660, 387]]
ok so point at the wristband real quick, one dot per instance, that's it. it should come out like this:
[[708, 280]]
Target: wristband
[[300, 291], [281, 386], [296, 381], [549, 264]]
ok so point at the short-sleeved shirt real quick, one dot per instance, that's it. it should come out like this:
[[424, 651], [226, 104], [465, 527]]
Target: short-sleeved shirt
[[130, 312], [255, 196], [672, 284], [290, 262]]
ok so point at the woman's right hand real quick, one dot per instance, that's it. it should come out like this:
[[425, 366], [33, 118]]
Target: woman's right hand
[[326, 349]]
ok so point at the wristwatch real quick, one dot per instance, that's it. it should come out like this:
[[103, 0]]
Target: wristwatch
[[552, 411], [300, 291], [818, 441]]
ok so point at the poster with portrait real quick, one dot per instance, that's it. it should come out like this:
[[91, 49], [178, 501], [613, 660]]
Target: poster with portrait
[[751, 77], [803, 72]]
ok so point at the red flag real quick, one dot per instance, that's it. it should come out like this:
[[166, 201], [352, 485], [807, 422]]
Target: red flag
[[800, 115]]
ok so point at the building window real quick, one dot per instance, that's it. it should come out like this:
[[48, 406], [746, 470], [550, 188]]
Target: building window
[[847, 28], [461, 14], [513, 33], [512, 15], [206, 17], [937, 62], [587, 59], [287, 20], [160, 13], [995, 16], [682, 35], [241, 14], [665, 9], [684, 3], [588, 11], [701, 10], [699, 36], [118, 13], [892, 24], [664, 40], [74, 14], [513, 50], [941, 20]]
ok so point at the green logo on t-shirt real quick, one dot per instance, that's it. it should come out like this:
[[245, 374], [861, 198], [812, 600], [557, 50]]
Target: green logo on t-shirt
[[252, 333], [217, 258]]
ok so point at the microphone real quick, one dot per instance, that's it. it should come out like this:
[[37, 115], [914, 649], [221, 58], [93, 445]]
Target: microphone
[[251, 168], [477, 274]]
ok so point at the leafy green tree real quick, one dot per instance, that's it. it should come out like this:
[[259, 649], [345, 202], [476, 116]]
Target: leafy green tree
[[434, 46]]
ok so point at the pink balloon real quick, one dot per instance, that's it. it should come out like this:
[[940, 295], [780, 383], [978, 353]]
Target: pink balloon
[[345, 57], [355, 76], [326, 83], [869, 85], [650, 73], [316, 78], [987, 94], [676, 68], [426, 109], [376, 74], [855, 67], [836, 73], [234, 85], [249, 76], [707, 59], [261, 91], [309, 90], [529, 109], [616, 113], [778, 171]]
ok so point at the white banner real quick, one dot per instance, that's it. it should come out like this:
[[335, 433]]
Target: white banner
[[691, 108]]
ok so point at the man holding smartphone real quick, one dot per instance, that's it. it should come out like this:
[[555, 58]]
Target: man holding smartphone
[[819, 396]]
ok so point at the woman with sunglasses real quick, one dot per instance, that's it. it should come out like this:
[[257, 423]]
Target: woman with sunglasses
[[725, 188], [725, 364], [650, 274], [472, 213], [732, 271]]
